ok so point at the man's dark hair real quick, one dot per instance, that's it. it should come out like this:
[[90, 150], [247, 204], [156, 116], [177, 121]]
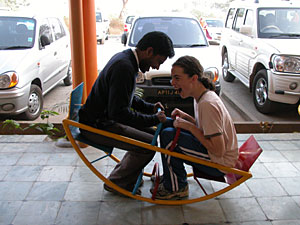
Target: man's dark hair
[[159, 41]]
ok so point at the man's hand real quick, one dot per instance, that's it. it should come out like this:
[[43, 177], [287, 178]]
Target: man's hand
[[158, 105], [161, 116]]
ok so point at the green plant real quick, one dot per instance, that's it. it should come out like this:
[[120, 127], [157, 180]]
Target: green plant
[[47, 128], [12, 124]]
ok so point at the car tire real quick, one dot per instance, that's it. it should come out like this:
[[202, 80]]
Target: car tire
[[260, 93], [227, 76], [68, 79], [102, 41], [35, 103]]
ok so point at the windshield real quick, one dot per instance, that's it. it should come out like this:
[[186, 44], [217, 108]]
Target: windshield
[[214, 23], [98, 17], [16, 32], [184, 32], [279, 23]]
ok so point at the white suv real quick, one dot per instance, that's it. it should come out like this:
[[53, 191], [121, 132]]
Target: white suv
[[260, 46]]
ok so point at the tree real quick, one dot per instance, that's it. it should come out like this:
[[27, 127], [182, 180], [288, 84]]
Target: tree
[[14, 4], [123, 9]]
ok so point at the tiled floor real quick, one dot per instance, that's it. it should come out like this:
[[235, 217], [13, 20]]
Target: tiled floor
[[41, 184]]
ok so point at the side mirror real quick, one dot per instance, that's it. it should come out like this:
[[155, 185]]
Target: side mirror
[[247, 30], [44, 40]]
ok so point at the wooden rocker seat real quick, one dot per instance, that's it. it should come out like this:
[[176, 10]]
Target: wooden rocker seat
[[248, 153]]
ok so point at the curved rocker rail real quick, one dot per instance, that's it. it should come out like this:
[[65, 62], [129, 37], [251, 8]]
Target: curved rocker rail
[[67, 123]]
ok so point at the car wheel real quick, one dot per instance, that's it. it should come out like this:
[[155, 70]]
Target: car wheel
[[260, 93], [68, 79], [102, 41], [225, 66], [35, 103]]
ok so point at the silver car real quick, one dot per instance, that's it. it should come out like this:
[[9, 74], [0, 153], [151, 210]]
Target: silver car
[[35, 56]]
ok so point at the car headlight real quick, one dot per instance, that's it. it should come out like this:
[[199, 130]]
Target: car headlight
[[286, 64], [212, 73], [140, 78], [8, 80]]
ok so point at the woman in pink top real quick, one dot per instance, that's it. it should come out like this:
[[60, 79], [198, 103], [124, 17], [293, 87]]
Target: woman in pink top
[[210, 135]]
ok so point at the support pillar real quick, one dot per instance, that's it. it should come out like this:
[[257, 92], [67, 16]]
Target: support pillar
[[90, 43], [77, 44]]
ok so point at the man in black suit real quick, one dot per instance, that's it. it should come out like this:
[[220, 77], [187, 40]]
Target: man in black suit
[[111, 100]]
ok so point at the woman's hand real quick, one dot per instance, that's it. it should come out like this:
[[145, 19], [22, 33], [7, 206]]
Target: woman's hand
[[182, 123], [177, 112]]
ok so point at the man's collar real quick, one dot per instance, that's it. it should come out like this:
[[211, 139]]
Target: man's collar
[[136, 57]]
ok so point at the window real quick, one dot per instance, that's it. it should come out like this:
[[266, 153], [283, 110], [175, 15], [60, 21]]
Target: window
[[239, 21], [46, 30], [249, 20], [230, 18], [57, 27], [98, 17]]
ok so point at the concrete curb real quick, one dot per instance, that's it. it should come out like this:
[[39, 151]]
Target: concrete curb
[[238, 107]]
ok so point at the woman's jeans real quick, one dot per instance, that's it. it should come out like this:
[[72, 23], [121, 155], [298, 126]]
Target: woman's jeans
[[175, 176]]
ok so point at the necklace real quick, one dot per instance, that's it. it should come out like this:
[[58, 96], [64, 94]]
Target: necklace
[[202, 95]]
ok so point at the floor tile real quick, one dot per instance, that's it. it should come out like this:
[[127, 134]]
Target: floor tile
[[34, 159], [14, 147], [292, 156], [56, 173], [284, 145], [291, 185], [23, 173], [3, 171], [84, 191], [241, 191], [272, 156], [84, 174], [280, 208], [262, 187], [79, 213], [282, 169], [8, 211], [286, 222], [161, 214], [9, 159], [62, 159], [242, 210], [37, 213], [128, 213], [258, 170], [14, 191], [207, 212], [48, 191]]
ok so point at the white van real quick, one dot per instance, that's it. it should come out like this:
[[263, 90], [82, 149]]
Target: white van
[[35, 56], [102, 27]]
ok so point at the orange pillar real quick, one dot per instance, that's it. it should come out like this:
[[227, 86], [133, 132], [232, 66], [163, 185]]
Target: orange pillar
[[77, 44], [90, 43]]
